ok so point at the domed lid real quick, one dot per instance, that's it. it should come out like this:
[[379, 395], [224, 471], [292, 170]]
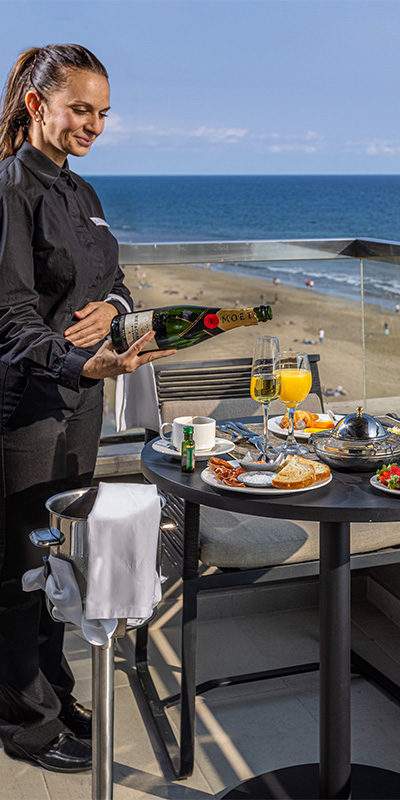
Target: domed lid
[[359, 426]]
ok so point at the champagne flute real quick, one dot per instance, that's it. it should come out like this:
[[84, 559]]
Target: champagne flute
[[295, 384], [265, 382]]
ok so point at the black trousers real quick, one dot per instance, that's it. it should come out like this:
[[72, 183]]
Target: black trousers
[[48, 445]]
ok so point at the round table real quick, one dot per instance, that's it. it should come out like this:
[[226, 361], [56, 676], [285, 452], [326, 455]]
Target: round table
[[348, 498]]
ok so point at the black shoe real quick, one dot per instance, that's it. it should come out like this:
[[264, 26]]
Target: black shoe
[[65, 753], [78, 719]]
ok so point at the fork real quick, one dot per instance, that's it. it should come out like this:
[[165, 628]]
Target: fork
[[237, 437], [240, 428]]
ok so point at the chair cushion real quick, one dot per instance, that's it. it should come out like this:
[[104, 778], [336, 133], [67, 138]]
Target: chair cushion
[[240, 540]]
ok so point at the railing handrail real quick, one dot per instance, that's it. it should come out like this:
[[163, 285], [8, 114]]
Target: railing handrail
[[259, 250]]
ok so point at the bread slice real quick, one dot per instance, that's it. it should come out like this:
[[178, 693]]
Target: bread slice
[[296, 474], [322, 471]]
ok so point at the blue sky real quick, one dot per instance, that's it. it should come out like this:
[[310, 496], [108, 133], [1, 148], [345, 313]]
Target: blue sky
[[232, 86]]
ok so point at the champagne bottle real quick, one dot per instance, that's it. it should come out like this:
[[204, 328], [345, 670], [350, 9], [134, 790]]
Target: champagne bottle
[[181, 326]]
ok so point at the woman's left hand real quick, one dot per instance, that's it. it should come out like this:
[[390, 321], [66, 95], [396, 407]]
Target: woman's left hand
[[94, 324]]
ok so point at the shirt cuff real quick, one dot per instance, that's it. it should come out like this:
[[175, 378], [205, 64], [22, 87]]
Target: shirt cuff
[[73, 363], [123, 305]]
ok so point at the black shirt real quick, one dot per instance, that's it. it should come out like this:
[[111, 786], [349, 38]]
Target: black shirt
[[56, 255]]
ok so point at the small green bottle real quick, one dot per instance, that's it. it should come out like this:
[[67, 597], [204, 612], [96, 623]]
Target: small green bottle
[[187, 450]]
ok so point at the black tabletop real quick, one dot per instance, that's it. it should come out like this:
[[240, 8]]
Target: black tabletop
[[349, 497]]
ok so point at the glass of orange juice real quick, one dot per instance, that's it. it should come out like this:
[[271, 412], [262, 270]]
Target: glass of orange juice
[[265, 384], [295, 374]]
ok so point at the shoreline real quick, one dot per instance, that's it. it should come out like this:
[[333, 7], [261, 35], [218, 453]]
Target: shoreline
[[387, 305], [298, 314]]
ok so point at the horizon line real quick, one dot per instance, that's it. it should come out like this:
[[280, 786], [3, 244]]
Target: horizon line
[[241, 175]]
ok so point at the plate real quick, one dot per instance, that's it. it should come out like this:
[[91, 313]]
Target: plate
[[221, 446], [274, 427], [208, 476], [375, 482]]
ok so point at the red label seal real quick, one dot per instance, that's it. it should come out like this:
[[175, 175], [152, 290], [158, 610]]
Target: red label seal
[[211, 321]]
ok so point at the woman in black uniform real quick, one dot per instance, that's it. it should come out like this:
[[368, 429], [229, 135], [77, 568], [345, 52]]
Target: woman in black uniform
[[60, 287]]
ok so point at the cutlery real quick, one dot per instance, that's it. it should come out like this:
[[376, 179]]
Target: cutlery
[[240, 428], [332, 416], [238, 436], [230, 427], [235, 437], [257, 442], [244, 432]]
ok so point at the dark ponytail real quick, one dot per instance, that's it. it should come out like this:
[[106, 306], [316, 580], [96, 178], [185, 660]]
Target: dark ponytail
[[44, 69]]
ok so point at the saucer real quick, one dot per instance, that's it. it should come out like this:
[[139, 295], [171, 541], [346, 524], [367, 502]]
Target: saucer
[[221, 446]]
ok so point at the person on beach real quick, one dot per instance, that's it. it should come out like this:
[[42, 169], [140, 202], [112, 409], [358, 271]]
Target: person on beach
[[321, 335], [60, 287]]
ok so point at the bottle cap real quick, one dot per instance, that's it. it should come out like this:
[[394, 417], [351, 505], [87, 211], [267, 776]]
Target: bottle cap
[[188, 429]]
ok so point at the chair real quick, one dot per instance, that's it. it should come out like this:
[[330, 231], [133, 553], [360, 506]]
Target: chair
[[217, 388], [234, 550]]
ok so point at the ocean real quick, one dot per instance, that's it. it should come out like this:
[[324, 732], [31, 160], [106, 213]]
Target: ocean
[[222, 208]]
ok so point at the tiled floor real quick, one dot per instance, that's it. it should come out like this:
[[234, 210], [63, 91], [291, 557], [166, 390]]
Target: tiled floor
[[241, 730]]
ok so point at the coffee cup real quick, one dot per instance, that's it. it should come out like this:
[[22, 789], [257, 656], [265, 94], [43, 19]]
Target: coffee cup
[[203, 432]]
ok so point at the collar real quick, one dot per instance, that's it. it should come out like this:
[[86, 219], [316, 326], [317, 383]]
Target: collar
[[43, 167]]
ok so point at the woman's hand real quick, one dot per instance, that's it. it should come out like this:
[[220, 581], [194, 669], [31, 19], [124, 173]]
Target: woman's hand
[[94, 325], [106, 363]]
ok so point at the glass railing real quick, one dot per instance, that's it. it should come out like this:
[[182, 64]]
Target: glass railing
[[338, 297]]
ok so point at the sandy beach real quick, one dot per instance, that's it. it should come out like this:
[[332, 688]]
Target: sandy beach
[[298, 314]]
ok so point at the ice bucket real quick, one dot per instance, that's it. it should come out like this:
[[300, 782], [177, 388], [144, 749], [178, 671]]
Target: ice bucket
[[67, 532], [67, 538]]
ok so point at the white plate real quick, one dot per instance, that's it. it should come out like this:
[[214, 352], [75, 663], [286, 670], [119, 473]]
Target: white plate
[[375, 482], [208, 476], [274, 426], [221, 446]]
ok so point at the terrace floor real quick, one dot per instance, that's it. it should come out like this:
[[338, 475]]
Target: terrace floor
[[242, 730]]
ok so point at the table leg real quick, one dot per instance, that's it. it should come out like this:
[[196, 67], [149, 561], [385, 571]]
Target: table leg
[[335, 761], [335, 768]]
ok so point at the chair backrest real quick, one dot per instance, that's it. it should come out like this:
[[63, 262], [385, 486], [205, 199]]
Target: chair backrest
[[218, 388]]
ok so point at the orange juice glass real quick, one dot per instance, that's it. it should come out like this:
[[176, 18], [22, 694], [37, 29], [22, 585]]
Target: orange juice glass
[[295, 386], [295, 374]]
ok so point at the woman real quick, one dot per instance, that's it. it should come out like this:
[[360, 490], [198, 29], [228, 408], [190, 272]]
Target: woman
[[60, 287]]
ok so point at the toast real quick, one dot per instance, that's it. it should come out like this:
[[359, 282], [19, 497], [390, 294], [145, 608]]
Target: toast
[[322, 471], [296, 474], [299, 472]]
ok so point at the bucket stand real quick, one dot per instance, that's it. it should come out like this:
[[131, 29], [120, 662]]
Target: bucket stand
[[103, 716]]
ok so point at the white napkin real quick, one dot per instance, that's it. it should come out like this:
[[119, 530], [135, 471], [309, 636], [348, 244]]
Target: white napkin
[[136, 401], [123, 530], [62, 589]]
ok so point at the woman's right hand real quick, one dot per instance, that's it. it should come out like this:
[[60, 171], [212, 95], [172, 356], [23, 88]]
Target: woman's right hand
[[106, 363]]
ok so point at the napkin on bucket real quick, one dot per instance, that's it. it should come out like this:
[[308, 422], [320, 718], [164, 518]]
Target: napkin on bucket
[[123, 530], [62, 589]]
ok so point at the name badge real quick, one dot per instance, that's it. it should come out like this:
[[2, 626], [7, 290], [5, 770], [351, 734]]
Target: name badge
[[99, 221]]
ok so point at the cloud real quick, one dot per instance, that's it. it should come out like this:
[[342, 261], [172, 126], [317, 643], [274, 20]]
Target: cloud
[[113, 122], [383, 146], [292, 148], [219, 135], [308, 142], [373, 147], [120, 132]]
